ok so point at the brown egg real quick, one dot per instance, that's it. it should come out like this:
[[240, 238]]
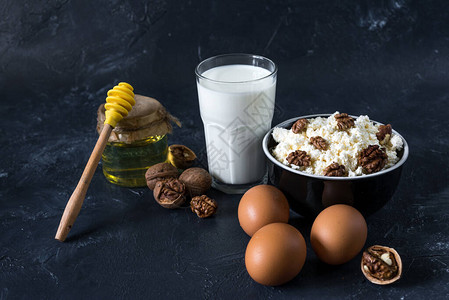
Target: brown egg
[[338, 234], [275, 254], [262, 205]]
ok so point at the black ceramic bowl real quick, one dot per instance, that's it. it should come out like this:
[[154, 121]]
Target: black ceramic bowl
[[309, 194]]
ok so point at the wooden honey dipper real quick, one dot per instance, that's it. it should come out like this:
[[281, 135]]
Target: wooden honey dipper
[[120, 101]]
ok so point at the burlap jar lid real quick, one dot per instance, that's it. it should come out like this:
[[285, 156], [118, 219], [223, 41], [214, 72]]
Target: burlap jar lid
[[147, 118]]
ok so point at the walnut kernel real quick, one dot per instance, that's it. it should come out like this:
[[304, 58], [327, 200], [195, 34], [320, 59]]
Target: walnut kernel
[[203, 206], [299, 125], [372, 159], [344, 121], [318, 142], [335, 170], [299, 158], [384, 134]]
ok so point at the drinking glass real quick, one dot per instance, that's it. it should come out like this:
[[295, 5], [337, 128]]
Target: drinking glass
[[236, 95]]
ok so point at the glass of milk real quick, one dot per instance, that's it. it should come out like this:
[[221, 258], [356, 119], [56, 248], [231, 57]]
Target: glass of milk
[[236, 95]]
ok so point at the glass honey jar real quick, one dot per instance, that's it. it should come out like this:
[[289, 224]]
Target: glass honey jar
[[137, 142]]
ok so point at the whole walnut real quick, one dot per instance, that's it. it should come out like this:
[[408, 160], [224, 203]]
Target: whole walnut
[[160, 172], [197, 180]]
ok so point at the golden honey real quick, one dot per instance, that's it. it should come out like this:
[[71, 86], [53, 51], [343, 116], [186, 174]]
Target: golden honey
[[125, 164]]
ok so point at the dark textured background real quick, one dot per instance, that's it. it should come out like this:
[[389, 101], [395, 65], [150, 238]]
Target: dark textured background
[[387, 59]]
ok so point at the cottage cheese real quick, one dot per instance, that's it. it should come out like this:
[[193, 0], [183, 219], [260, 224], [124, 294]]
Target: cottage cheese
[[343, 146]]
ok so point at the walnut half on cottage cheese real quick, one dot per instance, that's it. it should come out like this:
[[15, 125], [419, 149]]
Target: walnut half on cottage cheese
[[341, 146]]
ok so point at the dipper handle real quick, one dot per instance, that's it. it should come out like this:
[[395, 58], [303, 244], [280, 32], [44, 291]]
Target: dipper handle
[[120, 101]]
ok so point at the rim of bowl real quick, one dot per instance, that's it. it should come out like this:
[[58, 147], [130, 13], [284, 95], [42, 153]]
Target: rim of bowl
[[285, 167]]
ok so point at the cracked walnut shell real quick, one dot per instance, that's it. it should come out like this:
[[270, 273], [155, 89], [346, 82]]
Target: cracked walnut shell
[[381, 265], [170, 193], [203, 206], [181, 156]]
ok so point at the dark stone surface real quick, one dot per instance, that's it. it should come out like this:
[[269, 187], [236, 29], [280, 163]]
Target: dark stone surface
[[387, 59]]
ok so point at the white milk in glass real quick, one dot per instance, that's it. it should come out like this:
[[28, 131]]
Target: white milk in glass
[[236, 106]]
